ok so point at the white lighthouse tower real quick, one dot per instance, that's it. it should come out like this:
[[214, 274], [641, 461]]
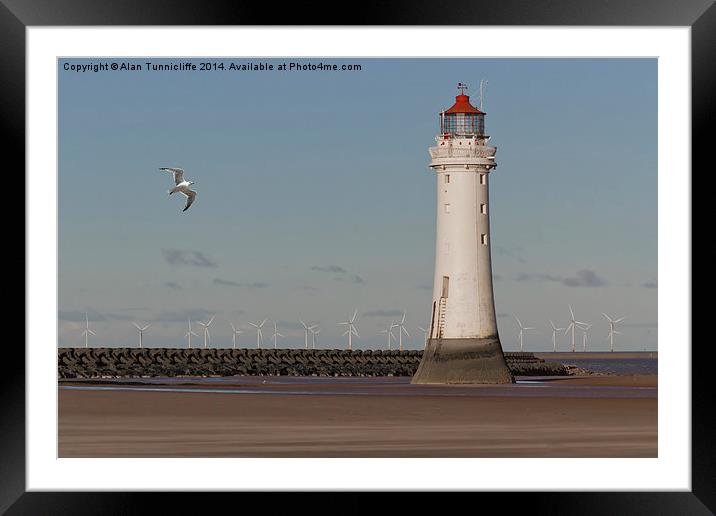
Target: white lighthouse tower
[[463, 344]]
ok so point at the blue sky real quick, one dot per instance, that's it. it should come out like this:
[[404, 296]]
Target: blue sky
[[315, 198]]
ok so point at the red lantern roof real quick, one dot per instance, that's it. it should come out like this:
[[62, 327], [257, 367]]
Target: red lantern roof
[[462, 105]]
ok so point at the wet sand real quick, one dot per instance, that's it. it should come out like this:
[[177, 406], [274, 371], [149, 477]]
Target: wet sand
[[323, 417], [635, 380]]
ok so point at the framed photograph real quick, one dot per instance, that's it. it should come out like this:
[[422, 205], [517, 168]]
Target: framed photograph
[[441, 249]]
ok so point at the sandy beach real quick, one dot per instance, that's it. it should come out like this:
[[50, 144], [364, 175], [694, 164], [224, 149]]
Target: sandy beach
[[245, 417]]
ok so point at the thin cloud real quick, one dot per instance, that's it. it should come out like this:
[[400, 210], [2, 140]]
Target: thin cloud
[[258, 284], [229, 283], [516, 253], [343, 274], [583, 278], [351, 278], [172, 284], [187, 258], [650, 284], [527, 276], [329, 268]]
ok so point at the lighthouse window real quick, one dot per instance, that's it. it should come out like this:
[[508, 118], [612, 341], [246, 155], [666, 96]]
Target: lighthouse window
[[447, 178], [446, 286], [447, 208], [483, 239], [482, 179], [483, 209]]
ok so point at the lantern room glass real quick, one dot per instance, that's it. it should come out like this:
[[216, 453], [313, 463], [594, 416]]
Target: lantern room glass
[[462, 124]]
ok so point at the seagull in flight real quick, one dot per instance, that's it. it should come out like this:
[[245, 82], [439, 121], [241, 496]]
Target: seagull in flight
[[181, 185]]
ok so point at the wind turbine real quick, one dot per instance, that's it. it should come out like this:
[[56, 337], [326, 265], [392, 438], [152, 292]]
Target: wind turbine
[[235, 333], [612, 331], [522, 330], [307, 329], [189, 334], [313, 335], [276, 334], [259, 333], [207, 335], [402, 329], [554, 335], [351, 329], [572, 324], [389, 332], [393, 324], [87, 331], [585, 329], [141, 331], [425, 333]]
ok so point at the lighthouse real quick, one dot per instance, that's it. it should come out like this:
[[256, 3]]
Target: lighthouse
[[463, 345]]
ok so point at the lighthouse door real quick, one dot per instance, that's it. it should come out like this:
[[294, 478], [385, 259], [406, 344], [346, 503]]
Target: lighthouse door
[[446, 285]]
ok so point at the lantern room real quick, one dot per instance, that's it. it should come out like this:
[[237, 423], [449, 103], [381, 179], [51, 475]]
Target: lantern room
[[462, 119]]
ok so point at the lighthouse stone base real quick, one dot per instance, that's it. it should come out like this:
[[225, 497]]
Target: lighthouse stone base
[[463, 361]]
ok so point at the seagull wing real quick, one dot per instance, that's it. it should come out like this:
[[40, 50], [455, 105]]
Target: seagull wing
[[190, 196], [178, 174]]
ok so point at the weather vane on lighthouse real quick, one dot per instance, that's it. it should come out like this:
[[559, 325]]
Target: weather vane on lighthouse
[[463, 344]]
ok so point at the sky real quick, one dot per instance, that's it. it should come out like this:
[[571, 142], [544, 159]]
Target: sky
[[315, 198]]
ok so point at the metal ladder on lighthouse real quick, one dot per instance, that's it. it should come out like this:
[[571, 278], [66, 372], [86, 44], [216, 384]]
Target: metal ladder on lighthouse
[[441, 316]]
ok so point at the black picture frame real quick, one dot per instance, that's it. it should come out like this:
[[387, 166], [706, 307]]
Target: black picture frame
[[700, 15]]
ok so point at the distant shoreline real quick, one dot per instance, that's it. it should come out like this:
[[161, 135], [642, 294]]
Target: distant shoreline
[[601, 355]]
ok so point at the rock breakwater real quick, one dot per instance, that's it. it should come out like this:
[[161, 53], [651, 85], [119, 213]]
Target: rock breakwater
[[136, 362]]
